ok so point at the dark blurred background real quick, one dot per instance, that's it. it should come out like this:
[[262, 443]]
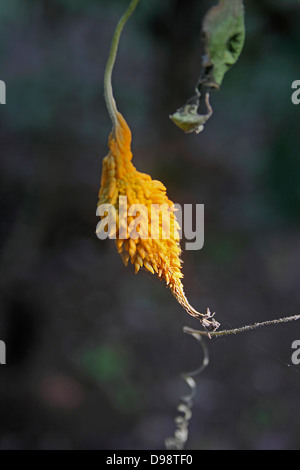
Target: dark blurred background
[[94, 353]]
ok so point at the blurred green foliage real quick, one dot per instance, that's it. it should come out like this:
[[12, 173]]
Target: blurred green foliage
[[105, 363]]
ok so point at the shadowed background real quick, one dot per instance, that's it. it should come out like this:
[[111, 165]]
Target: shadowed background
[[94, 353]]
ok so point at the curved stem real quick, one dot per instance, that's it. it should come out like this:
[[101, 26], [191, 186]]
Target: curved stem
[[108, 91], [241, 329]]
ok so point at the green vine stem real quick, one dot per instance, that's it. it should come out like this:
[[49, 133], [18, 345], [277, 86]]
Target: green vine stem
[[234, 331], [108, 91]]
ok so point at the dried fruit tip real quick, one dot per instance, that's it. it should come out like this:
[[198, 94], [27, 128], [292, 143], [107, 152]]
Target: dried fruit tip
[[208, 322]]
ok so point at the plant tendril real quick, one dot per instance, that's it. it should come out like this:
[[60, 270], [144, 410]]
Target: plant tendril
[[177, 442]]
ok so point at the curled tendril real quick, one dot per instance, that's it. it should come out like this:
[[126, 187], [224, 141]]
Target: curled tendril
[[178, 441]]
